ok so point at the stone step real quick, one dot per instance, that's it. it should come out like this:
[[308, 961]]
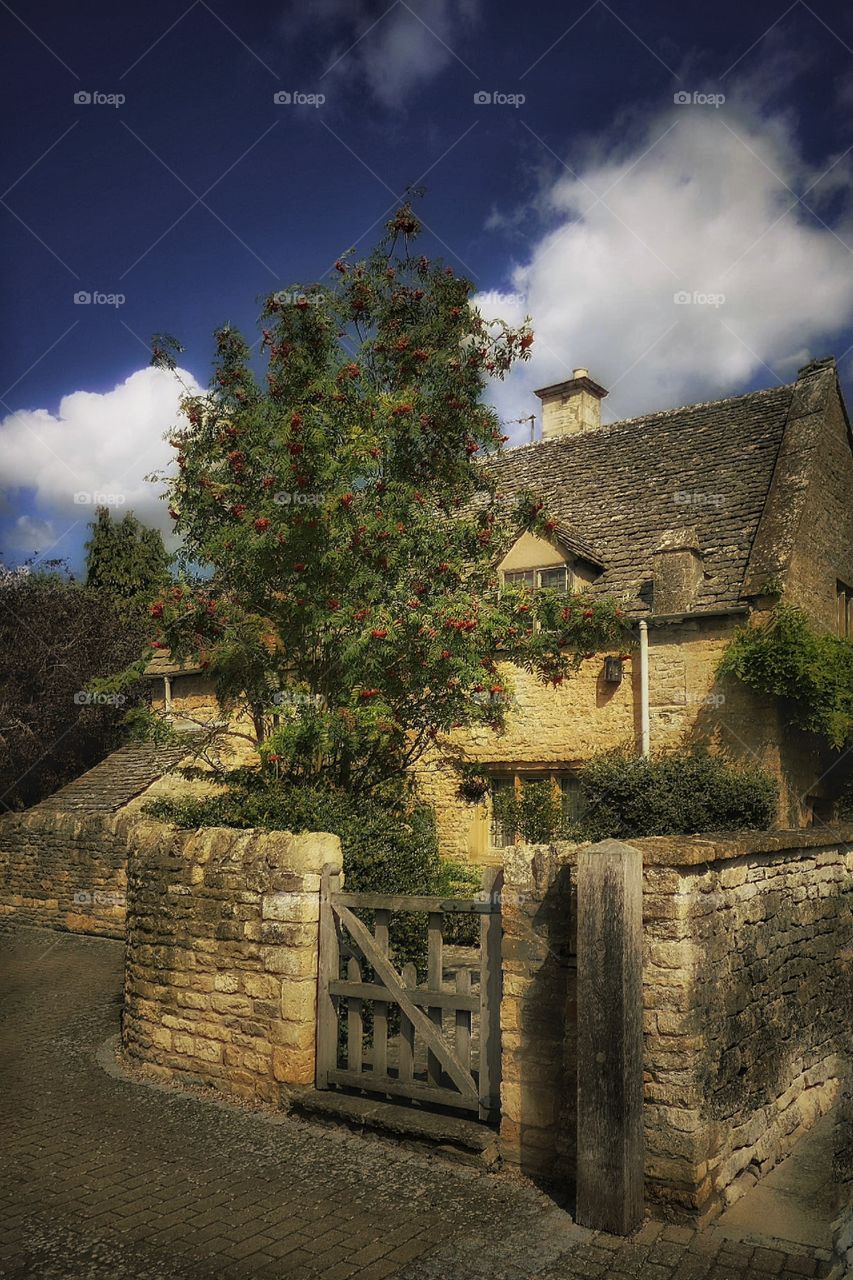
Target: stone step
[[453, 1137]]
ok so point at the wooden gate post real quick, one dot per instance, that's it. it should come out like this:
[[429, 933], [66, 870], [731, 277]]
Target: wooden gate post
[[610, 1037], [328, 969], [491, 979]]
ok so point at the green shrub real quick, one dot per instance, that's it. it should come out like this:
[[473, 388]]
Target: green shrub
[[389, 843], [675, 793], [811, 670]]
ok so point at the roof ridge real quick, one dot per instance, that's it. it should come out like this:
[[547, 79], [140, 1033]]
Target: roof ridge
[[646, 417]]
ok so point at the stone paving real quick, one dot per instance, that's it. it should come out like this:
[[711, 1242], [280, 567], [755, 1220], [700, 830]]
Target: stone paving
[[104, 1177]]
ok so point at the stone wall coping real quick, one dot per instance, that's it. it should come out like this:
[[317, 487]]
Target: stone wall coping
[[301, 850], [691, 851]]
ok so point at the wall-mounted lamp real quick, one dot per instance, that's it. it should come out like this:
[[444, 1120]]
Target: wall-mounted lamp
[[613, 670]]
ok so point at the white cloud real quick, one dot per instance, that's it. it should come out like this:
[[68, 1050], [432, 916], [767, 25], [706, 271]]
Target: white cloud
[[97, 444], [392, 50], [30, 536], [694, 202]]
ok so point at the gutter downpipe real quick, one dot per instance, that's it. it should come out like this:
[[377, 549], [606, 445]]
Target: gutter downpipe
[[644, 688]]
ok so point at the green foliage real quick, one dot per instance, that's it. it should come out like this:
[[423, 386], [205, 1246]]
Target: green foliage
[[60, 646], [354, 608], [811, 670], [535, 812], [674, 793], [390, 844], [125, 561]]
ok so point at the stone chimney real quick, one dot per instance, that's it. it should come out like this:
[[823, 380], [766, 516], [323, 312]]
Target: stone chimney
[[571, 407], [677, 571]]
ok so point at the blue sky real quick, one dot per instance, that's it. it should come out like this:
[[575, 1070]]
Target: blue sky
[[681, 248]]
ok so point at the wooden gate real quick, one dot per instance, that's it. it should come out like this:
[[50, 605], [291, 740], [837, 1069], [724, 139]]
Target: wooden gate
[[437, 1041]]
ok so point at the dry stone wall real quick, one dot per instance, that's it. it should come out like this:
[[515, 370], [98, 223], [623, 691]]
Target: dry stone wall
[[63, 862], [221, 962], [64, 870], [747, 1006]]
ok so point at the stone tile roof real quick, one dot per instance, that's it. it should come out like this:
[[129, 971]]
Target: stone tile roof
[[163, 664], [116, 780], [622, 487]]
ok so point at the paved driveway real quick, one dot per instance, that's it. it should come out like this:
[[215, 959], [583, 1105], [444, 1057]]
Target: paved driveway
[[103, 1177]]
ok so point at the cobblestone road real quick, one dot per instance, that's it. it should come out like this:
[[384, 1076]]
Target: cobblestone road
[[102, 1177]]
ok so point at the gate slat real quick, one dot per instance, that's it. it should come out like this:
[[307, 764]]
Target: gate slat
[[417, 1089], [380, 1007], [463, 1019], [406, 1066], [422, 996], [355, 1021], [435, 976]]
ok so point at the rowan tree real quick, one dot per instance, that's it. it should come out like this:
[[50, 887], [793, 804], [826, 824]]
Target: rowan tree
[[353, 606]]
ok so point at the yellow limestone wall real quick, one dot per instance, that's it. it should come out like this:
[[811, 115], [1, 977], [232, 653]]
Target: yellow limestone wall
[[563, 727]]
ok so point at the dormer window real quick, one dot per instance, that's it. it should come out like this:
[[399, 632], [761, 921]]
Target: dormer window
[[554, 578]]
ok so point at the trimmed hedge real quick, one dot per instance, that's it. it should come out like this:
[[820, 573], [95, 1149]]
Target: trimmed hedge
[[622, 795], [673, 793]]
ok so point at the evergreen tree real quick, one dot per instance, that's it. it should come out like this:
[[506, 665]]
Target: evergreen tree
[[125, 561]]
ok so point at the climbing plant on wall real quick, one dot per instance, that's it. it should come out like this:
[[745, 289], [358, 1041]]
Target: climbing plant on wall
[[812, 670]]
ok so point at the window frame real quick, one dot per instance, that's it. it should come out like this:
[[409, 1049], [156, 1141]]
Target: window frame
[[516, 776], [517, 577]]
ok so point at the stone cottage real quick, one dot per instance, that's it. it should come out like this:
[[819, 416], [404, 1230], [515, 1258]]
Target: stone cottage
[[694, 519]]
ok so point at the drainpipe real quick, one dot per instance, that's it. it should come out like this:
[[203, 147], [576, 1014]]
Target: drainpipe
[[644, 688]]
